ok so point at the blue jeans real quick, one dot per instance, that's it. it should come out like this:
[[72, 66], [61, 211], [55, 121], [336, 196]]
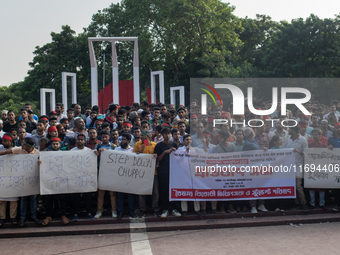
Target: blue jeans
[[120, 202], [33, 205], [321, 197]]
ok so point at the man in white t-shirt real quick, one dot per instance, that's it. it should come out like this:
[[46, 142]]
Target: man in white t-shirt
[[81, 140], [124, 146]]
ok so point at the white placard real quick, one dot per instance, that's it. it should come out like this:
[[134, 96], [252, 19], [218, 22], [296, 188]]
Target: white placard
[[322, 168], [126, 172], [68, 172], [19, 175], [236, 176]]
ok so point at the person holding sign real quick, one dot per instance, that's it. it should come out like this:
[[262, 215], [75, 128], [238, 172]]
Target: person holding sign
[[187, 148], [148, 147], [81, 138], [163, 150], [334, 142], [251, 144], [7, 141], [315, 143], [61, 198], [299, 144], [26, 148], [124, 146], [105, 145]]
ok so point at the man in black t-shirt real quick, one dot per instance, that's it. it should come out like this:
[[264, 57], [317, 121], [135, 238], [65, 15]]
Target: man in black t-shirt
[[163, 150], [11, 123]]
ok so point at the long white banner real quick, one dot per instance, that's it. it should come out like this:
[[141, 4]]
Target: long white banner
[[19, 175], [232, 176], [68, 172], [126, 172], [322, 168]]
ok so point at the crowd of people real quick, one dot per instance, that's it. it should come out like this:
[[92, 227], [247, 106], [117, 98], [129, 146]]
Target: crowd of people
[[160, 129]]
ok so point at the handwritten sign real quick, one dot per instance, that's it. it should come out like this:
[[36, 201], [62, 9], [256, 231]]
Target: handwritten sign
[[68, 172], [19, 175], [126, 172], [322, 168]]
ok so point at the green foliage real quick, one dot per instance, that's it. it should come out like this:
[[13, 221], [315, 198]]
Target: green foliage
[[11, 101], [186, 39]]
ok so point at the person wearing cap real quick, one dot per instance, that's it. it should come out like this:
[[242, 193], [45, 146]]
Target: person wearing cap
[[52, 132], [119, 122], [60, 198], [52, 122], [299, 144], [7, 141], [303, 128], [163, 150], [4, 116], [105, 145], [53, 114], [76, 197], [126, 129], [26, 148], [145, 145], [14, 133], [98, 125], [22, 124], [206, 145], [11, 123]]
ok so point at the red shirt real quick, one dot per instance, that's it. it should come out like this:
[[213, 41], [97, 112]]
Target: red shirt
[[323, 140], [91, 145]]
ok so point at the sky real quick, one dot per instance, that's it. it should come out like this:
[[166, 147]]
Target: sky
[[26, 24]]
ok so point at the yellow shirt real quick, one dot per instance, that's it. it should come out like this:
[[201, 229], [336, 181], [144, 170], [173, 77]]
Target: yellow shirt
[[148, 149]]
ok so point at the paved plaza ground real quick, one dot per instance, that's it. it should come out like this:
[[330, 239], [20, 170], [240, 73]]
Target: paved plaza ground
[[290, 239]]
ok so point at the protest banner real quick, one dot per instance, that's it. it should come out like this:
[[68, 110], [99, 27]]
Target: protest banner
[[68, 172], [322, 168], [19, 175], [126, 172], [232, 176]]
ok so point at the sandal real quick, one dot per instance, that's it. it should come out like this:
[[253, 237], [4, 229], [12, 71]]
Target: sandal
[[46, 221], [65, 220]]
